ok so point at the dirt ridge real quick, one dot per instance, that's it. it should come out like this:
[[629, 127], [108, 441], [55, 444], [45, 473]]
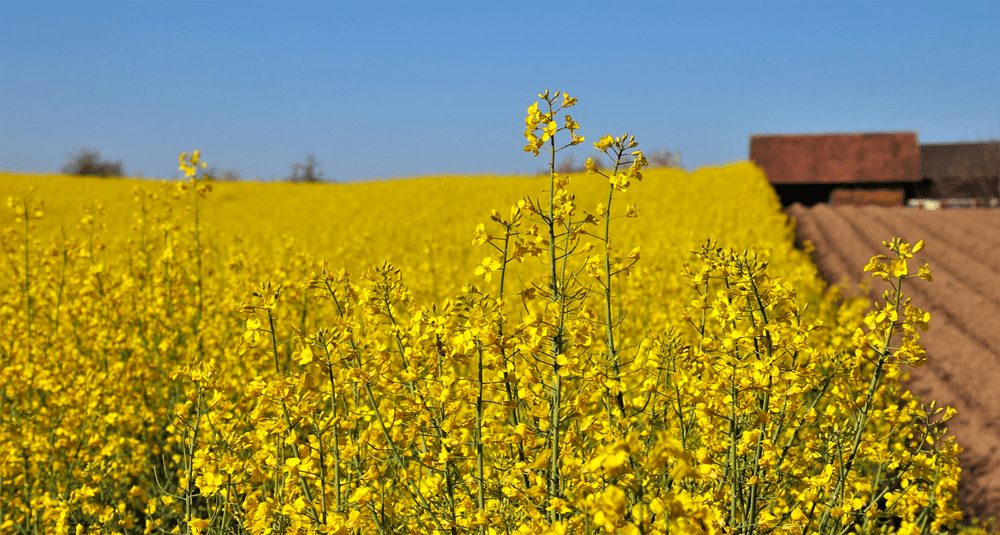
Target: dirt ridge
[[963, 343], [956, 240]]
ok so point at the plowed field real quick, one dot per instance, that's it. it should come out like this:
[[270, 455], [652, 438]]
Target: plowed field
[[963, 343]]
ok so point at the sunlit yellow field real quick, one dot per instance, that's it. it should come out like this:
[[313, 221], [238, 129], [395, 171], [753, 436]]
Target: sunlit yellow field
[[366, 358], [425, 225]]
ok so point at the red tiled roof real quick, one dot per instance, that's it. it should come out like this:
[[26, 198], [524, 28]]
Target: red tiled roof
[[837, 158]]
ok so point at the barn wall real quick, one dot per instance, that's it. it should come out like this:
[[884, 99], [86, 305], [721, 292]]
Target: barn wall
[[867, 197]]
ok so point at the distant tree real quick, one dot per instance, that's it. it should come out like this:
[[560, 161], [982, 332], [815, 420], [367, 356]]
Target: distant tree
[[567, 165], [658, 158], [570, 165], [599, 162], [664, 158], [225, 175], [306, 172], [88, 162]]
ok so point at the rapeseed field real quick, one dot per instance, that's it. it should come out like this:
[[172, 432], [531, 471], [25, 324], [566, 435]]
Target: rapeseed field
[[626, 350]]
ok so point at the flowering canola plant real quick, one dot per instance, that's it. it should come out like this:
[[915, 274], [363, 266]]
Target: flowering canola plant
[[579, 369]]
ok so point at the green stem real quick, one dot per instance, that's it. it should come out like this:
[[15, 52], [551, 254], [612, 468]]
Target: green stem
[[479, 441], [27, 288], [336, 433], [556, 341], [861, 418], [608, 296], [734, 470], [510, 384], [197, 242]]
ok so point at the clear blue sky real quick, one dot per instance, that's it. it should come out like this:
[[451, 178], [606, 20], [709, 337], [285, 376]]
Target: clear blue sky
[[393, 89]]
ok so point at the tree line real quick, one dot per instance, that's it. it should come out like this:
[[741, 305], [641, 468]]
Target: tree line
[[88, 162]]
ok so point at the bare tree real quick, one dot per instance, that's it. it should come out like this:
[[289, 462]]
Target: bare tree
[[88, 162], [599, 161], [225, 175], [306, 172], [664, 158], [567, 165], [570, 165]]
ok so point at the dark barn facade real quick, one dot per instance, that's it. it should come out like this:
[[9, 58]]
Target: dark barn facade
[[870, 168], [960, 171]]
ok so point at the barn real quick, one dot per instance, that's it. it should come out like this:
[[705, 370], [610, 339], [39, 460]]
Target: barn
[[869, 168], [968, 172]]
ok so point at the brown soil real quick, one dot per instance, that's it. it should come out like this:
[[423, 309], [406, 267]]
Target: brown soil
[[963, 343]]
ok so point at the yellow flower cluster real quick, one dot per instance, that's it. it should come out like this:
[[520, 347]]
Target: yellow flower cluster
[[568, 382], [190, 163]]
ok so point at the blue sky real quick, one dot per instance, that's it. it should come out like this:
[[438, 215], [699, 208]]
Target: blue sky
[[394, 89]]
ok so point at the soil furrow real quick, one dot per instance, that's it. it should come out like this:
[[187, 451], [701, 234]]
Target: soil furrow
[[973, 275], [963, 346], [979, 489], [968, 369], [833, 240], [946, 296], [972, 221], [950, 236], [830, 264]]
